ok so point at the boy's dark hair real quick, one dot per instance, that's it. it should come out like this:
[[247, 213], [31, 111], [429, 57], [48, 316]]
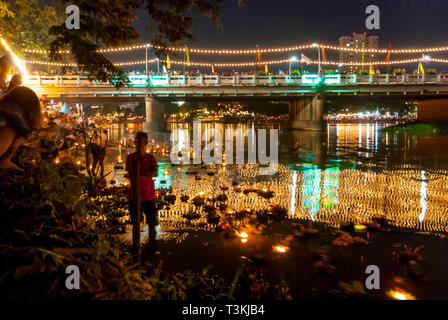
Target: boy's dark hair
[[141, 135]]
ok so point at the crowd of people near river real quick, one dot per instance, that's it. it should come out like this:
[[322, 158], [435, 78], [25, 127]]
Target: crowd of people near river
[[53, 134], [23, 121]]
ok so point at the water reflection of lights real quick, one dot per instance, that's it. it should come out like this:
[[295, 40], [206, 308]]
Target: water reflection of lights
[[329, 196], [423, 202]]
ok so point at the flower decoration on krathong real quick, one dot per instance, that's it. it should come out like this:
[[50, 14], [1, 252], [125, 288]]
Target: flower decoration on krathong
[[266, 193], [344, 239], [244, 213], [184, 198], [222, 197], [198, 201], [305, 232], [250, 190]]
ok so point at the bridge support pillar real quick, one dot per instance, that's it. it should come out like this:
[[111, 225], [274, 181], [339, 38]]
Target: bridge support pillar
[[306, 114], [154, 123], [433, 110]]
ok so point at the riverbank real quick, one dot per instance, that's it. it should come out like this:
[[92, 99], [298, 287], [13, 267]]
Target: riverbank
[[418, 128]]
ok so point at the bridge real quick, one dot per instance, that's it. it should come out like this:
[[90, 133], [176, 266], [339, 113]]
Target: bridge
[[303, 93]]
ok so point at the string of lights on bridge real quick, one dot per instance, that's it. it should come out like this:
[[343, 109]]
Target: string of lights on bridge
[[255, 51], [247, 64]]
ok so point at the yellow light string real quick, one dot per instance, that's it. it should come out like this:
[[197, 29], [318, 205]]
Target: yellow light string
[[254, 51], [248, 64]]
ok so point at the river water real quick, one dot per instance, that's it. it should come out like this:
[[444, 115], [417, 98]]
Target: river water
[[348, 172]]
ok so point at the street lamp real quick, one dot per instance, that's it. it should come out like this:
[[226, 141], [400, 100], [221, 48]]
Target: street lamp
[[146, 60], [157, 59], [294, 58]]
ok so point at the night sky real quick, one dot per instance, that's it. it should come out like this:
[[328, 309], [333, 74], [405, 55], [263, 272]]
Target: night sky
[[280, 23]]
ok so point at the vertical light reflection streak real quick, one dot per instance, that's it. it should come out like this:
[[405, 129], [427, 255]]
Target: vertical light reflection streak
[[293, 193], [359, 138], [311, 191], [423, 202], [331, 185]]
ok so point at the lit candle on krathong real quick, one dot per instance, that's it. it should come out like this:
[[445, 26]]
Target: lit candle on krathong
[[281, 248], [166, 172]]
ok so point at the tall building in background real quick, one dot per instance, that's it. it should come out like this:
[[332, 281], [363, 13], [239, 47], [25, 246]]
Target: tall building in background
[[360, 41]]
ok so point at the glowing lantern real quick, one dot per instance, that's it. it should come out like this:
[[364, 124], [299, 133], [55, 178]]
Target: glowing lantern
[[281, 249]]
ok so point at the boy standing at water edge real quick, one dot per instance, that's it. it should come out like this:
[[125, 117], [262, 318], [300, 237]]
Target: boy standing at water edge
[[148, 169]]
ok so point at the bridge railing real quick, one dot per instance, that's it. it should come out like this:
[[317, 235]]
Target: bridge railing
[[242, 80]]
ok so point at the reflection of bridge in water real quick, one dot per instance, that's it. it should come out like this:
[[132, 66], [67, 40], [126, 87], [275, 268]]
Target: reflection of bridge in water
[[305, 94]]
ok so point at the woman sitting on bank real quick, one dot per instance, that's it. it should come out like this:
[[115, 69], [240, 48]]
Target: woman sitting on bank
[[20, 114]]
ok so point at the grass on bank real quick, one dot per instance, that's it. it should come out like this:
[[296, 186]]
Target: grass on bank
[[418, 128]]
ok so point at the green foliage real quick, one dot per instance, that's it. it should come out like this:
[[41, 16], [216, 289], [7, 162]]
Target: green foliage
[[321, 88], [418, 128], [108, 23], [4, 10], [363, 72], [25, 23]]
